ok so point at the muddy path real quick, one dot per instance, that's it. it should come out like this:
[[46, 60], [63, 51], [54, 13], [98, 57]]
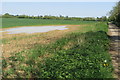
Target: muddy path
[[114, 33]]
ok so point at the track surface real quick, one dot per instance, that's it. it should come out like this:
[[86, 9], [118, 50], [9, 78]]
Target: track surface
[[114, 33]]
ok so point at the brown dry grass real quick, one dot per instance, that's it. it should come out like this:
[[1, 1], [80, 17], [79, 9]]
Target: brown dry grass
[[18, 42]]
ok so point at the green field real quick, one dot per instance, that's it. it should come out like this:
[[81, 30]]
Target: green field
[[14, 22], [79, 54]]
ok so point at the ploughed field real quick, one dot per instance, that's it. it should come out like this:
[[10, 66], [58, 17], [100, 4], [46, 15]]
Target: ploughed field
[[80, 51]]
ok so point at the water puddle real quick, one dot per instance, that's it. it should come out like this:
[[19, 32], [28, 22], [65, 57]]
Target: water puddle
[[33, 29]]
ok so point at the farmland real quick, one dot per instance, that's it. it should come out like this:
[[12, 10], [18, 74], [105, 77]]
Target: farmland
[[15, 22], [79, 52]]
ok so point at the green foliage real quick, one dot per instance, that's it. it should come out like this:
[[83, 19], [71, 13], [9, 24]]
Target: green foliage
[[83, 59], [115, 14], [80, 61]]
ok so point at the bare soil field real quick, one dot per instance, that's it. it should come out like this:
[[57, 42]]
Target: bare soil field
[[13, 43]]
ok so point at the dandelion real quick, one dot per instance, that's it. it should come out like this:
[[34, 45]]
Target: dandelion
[[105, 64]]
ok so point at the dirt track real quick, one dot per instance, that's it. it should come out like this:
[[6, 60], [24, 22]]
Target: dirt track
[[114, 33]]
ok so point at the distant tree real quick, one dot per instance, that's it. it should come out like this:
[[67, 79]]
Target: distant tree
[[97, 19], [38, 17], [104, 18], [60, 17], [89, 19], [7, 15], [33, 17], [22, 16]]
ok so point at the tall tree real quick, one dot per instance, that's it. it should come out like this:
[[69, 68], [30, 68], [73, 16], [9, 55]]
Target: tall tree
[[115, 14]]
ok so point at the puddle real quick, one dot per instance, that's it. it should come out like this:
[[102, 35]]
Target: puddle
[[1, 31], [33, 29]]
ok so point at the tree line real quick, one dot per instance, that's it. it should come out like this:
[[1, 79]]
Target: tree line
[[103, 18], [114, 16]]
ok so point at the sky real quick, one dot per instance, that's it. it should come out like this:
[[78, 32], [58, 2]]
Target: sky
[[60, 0], [72, 9]]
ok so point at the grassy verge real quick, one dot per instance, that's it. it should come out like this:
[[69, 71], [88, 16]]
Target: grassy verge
[[80, 54], [19, 42], [74, 56]]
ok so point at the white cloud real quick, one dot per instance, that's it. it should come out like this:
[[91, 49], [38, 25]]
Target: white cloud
[[60, 0]]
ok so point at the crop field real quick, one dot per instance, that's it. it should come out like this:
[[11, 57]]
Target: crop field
[[81, 51], [14, 22]]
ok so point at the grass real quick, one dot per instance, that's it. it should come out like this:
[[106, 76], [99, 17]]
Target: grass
[[14, 22], [80, 54], [90, 26], [74, 56]]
